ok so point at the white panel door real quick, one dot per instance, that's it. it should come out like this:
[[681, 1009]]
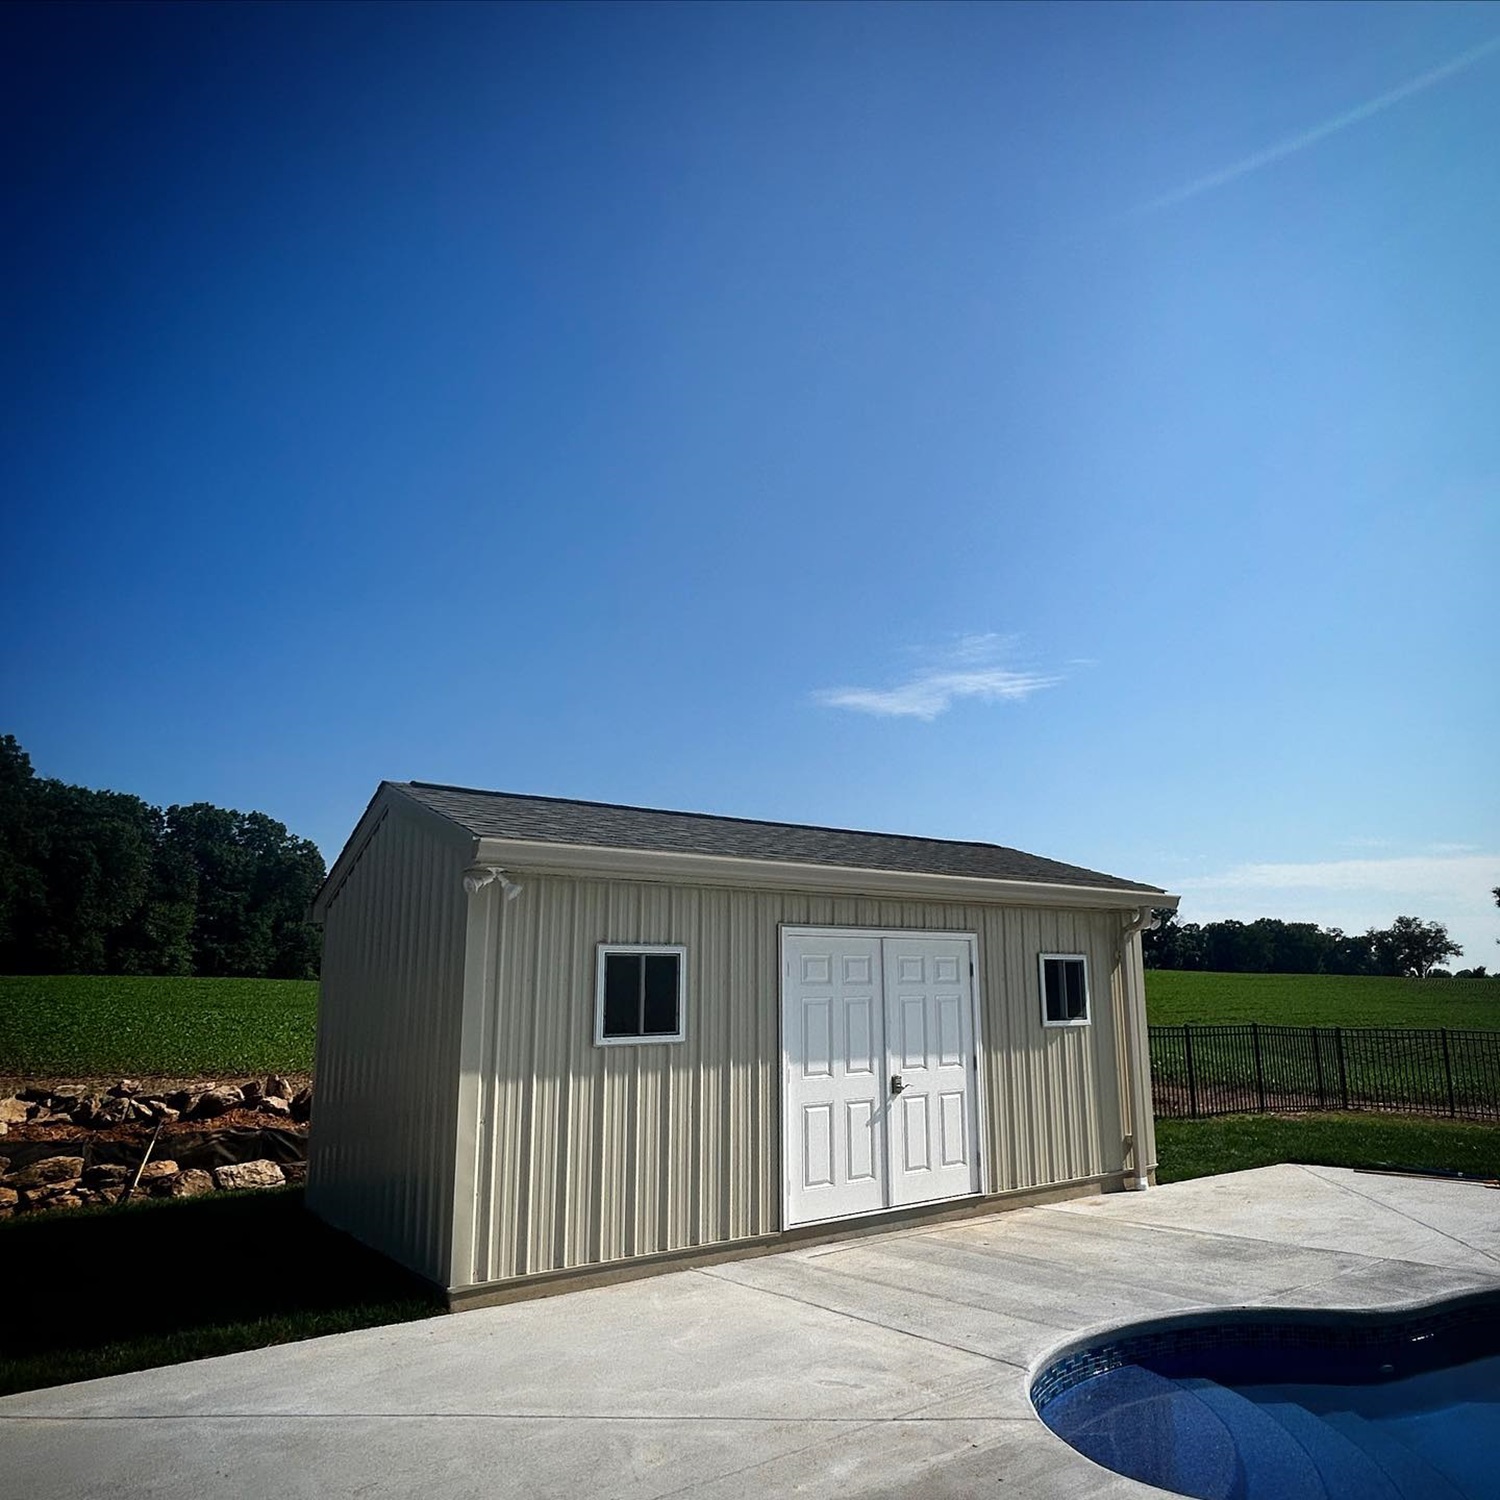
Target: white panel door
[[833, 1036], [878, 1043], [930, 1038]]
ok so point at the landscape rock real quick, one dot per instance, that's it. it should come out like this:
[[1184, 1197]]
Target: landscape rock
[[47, 1194], [85, 1110], [106, 1175], [249, 1174], [126, 1088], [63, 1200], [216, 1101], [193, 1183], [180, 1099], [49, 1169], [35, 1096], [273, 1106], [153, 1171], [14, 1111], [295, 1172], [250, 1091], [276, 1087], [302, 1105], [9, 1197]]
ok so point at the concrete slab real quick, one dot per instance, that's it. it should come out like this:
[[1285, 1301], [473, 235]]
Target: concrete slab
[[889, 1366]]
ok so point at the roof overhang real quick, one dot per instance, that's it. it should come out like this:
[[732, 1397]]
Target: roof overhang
[[520, 855]]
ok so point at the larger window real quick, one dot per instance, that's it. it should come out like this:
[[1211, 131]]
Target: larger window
[[639, 993], [1065, 989]]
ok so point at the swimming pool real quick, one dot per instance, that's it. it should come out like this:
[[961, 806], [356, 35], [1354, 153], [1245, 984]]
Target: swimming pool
[[1260, 1404]]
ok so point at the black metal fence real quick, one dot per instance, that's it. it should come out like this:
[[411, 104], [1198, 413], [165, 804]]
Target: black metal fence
[[1198, 1071]]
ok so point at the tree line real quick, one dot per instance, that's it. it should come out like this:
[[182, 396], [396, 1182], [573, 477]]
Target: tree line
[[1409, 946], [103, 883]]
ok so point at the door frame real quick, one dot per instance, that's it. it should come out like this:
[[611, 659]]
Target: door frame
[[787, 930]]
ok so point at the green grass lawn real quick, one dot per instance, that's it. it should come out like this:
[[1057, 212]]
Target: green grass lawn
[[62, 1024], [1202, 1148], [154, 1283], [1175, 996]]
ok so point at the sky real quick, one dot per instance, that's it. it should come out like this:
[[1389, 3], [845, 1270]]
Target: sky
[[1073, 427]]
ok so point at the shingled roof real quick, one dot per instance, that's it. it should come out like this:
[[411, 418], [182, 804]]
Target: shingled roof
[[605, 825]]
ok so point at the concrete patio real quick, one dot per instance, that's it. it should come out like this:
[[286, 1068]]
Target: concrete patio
[[889, 1366]]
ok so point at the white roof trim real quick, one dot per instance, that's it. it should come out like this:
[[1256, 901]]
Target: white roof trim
[[766, 874]]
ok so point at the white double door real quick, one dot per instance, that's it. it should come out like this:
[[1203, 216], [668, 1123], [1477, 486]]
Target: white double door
[[880, 1100]]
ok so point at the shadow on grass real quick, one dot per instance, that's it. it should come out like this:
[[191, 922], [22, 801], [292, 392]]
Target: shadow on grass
[[100, 1291]]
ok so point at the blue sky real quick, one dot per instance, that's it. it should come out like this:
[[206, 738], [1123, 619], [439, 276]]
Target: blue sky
[[1068, 426]]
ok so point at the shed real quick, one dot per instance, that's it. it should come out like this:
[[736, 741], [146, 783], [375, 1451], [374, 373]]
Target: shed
[[561, 1039]]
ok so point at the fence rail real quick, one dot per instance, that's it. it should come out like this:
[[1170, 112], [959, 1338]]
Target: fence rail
[[1198, 1071]]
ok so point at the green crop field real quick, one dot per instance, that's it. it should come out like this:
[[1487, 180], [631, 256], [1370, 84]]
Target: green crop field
[[1174, 996], [56, 1025]]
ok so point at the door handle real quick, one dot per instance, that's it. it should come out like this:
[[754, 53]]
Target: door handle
[[897, 1083]]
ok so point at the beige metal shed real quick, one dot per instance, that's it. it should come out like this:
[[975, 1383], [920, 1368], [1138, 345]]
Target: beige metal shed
[[565, 1038]]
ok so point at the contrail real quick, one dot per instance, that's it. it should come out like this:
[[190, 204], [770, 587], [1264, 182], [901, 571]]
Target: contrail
[[1317, 133]]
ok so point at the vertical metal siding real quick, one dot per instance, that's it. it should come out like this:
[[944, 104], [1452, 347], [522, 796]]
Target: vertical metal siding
[[589, 1154], [381, 1152]]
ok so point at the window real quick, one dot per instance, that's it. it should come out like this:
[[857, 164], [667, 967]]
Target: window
[[638, 993], [1065, 989]]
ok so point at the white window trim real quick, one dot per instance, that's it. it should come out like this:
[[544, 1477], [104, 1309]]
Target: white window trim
[[656, 1038], [1087, 1019]]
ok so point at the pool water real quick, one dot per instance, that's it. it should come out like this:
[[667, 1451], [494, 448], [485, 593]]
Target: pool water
[[1317, 1416]]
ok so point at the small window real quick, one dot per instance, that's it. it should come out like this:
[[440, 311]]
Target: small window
[[1065, 989], [639, 993]]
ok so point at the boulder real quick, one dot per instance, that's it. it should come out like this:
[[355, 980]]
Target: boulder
[[249, 1174], [193, 1183], [154, 1171], [9, 1197], [276, 1087], [49, 1169], [106, 1175], [14, 1111], [215, 1101], [302, 1105], [48, 1194], [278, 1107]]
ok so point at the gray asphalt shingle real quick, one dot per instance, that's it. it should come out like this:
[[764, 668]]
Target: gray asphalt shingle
[[556, 820]]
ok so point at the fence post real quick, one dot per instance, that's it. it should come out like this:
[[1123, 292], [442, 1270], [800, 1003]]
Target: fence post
[[1187, 1048], [1338, 1037], [1448, 1069], [1260, 1071], [1317, 1041]]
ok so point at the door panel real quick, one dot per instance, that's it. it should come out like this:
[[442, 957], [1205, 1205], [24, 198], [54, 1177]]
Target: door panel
[[833, 1028], [927, 982]]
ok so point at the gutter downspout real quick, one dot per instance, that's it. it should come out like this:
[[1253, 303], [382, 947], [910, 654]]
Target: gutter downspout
[[1136, 1040]]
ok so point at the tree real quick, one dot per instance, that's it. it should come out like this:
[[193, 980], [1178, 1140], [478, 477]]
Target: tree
[[1410, 946], [255, 882], [101, 882]]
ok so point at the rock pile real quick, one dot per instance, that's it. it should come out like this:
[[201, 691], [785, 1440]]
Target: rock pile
[[66, 1182], [128, 1104]]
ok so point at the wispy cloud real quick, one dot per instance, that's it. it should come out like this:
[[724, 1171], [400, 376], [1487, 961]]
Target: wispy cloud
[[975, 666], [1310, 137]]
